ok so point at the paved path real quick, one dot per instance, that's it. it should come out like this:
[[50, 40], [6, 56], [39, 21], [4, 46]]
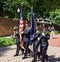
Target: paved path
[[55, 42], [6, 53]]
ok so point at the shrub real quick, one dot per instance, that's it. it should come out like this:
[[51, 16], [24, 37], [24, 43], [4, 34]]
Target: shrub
[[5, 41]]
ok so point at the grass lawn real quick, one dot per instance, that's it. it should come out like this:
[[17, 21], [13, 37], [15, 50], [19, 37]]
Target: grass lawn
[[6, 41]]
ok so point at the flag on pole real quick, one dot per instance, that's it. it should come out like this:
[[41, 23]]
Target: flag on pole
[[31, 24], [21, 26]]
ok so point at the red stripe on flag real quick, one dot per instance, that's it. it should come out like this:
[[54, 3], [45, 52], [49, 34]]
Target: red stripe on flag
[[21, 27]]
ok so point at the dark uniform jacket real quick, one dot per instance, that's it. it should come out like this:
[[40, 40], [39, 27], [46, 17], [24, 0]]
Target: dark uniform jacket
[[34, 37], [17, 36], [44, 39], [26, 35]]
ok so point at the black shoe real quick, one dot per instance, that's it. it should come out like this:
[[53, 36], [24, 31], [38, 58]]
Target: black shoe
[[16, 55], [34, 60], [24, 57], [46, 57]]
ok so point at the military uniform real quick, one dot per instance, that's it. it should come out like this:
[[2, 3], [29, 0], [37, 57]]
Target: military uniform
[[35, 46], [17, 36], [26, 40], [17, 43], [44, 37]]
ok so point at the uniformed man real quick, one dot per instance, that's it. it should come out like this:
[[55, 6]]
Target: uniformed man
[[35, 44], [26, 39], [35, 48], [17, 37], [17, 42], [44, 37]]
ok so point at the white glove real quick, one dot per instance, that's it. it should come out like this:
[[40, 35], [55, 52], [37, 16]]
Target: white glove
[[38, 38], [43, 34]]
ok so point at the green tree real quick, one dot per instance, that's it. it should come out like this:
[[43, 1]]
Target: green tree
[[55, 17], [10, 7], [41, 7]]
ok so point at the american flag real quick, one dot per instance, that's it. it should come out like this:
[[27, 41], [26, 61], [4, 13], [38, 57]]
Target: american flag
[[21, 26]]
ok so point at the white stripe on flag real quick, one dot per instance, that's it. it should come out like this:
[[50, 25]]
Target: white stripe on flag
[[22, 26], [21, 21]]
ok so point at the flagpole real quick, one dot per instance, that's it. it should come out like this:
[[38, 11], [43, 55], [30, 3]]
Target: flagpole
[[19, 20], [21, 9]]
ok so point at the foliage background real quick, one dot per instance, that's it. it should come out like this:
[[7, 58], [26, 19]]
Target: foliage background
[[42, 8]]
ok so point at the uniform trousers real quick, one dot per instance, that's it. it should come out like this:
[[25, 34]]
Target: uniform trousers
[[18, 47], [27, 50]]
